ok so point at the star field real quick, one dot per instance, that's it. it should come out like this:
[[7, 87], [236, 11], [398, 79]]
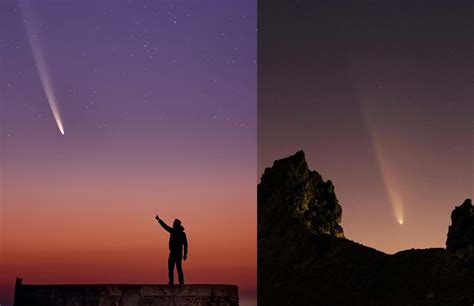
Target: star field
[[158, 103], [145, 52]]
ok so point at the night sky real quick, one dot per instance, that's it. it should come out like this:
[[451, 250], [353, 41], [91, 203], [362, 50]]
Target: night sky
[[380, 97], [157, 100]]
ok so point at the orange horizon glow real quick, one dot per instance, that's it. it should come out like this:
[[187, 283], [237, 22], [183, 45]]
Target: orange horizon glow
[[150, 131], [58, 233]]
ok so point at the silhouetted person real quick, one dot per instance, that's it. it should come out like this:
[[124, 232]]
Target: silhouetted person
[[176, 243]]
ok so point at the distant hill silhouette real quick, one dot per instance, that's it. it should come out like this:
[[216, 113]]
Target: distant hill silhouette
[[303, 258]]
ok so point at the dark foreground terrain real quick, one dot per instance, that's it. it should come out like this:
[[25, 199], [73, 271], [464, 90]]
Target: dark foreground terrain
[[304, 259], [125, 295]]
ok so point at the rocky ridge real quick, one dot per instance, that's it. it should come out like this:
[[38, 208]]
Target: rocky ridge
[[304, 259]]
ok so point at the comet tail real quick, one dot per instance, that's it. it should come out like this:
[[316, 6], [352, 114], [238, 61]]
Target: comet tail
[[41, 65]]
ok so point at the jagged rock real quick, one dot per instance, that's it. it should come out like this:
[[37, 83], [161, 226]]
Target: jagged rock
[[461, 231], [460, 240], [304, 260], [289, 187]]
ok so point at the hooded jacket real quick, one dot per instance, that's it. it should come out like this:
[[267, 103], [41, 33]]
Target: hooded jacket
[[177, 240]]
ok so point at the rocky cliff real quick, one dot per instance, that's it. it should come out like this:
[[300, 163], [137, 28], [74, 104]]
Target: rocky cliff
[[304, 259], [289, 187], [461, 232]]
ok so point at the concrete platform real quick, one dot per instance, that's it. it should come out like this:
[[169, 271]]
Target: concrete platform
[[124, 295]]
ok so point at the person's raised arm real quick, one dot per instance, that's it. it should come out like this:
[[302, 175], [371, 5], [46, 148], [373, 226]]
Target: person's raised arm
[[163, 224], [185, 242]]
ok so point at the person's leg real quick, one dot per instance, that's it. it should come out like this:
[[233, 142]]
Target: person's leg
[[179, 267], [170, 269]]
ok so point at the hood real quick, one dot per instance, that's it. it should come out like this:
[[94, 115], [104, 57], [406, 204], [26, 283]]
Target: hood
[[179, 228]]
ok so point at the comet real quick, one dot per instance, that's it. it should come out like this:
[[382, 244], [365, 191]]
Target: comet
[[41, 66], [391, 186], [390, 182]]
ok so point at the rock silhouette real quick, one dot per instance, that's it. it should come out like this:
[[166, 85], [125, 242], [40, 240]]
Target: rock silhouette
[[461, 232], [307, 196], [303, 258]]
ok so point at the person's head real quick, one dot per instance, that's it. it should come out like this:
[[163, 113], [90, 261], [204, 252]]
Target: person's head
[[177, 223]]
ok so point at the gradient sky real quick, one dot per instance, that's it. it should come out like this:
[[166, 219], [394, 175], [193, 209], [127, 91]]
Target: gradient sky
[[158, 104], [380, 98]]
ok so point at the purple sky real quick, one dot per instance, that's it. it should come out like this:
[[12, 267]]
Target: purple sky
[[158, 103]]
